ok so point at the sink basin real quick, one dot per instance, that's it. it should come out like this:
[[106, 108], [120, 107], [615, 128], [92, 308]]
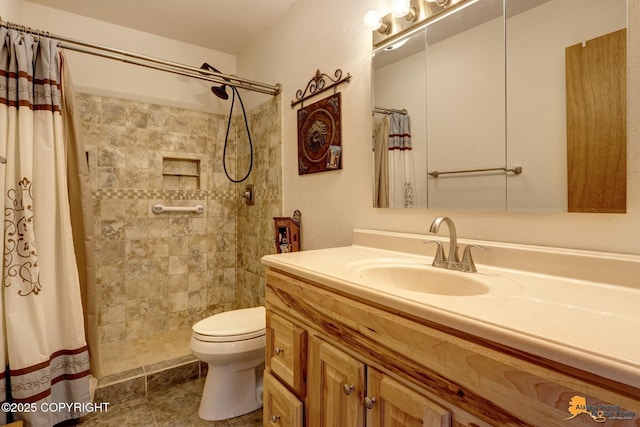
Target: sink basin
[[420, 278]]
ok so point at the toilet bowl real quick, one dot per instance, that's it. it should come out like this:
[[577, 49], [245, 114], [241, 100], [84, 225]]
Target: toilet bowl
[[232, 344]]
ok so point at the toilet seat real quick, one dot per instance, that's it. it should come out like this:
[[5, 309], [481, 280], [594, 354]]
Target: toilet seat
[[235, 325]]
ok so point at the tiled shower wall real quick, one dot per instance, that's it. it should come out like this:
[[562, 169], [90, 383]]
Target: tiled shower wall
[[163, 272]]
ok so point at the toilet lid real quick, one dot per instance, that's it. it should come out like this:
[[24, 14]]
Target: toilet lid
[[234, 325]]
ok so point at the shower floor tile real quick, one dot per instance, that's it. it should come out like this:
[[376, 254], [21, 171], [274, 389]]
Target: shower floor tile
[[176, 407], [124, 356]]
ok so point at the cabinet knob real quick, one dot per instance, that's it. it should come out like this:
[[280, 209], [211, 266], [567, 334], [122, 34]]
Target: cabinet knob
[[369, 402], [275, 418], [347, 388], [279, 351]]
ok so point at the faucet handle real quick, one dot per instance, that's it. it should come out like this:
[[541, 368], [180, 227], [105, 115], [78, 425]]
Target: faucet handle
[[467, 260], [439, 260]]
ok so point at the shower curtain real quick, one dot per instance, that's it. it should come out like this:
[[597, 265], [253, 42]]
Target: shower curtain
[[43, 341], [401, 168]]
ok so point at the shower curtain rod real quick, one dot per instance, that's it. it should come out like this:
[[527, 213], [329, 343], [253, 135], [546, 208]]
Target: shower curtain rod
[[150, 62]]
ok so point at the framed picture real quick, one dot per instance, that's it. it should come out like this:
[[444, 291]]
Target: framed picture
[[287, 235], [320, 136]]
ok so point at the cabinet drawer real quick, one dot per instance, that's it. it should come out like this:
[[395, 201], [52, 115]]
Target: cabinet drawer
[[286, 352], [280, 408]]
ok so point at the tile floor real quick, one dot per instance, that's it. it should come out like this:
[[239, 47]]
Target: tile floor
[[122, 356], [175, 407]]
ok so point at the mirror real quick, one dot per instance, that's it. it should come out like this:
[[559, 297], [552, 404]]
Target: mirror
[[485, 88]]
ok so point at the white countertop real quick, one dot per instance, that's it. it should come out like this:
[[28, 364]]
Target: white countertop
[[593, 326]]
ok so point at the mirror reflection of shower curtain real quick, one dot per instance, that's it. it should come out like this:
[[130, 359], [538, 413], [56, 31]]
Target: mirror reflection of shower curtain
[[381, 164], [402, 174], [43, 336]]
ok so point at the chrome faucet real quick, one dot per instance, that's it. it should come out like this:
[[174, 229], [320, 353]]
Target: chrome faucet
[[452, 262]]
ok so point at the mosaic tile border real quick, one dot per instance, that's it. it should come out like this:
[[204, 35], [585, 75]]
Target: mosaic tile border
[[137, 194]]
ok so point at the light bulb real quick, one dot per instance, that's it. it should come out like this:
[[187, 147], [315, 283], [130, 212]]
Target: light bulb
[[373, 20], [400, 8]]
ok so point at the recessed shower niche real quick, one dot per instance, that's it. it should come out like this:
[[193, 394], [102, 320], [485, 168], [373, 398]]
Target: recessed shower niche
[[180, 174]]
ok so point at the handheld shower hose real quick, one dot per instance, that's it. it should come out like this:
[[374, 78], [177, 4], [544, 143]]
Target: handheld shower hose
[[221, 92]]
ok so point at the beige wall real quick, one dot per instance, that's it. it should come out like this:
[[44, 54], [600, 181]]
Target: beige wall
[[329, 35], [10, 10]]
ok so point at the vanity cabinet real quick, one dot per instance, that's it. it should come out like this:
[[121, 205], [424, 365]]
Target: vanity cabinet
[[335, 387], [347, 361]]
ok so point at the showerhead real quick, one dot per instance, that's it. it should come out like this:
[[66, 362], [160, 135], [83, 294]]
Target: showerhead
[[219, 91]]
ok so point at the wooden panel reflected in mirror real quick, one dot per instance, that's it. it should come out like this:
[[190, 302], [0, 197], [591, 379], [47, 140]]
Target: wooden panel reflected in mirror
[[597, 124]]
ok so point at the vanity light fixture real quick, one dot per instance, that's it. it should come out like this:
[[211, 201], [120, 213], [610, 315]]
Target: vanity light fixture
[[412, 29], [373, 20]]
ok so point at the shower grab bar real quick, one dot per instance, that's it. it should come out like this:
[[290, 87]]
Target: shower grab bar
[[159, 208]]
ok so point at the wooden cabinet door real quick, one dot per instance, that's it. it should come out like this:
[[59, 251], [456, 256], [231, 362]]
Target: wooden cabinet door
[[392, 404], [335, 387], [280, 407]]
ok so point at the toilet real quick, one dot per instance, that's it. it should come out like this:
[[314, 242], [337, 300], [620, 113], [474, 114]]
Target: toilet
[[232, 343]]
